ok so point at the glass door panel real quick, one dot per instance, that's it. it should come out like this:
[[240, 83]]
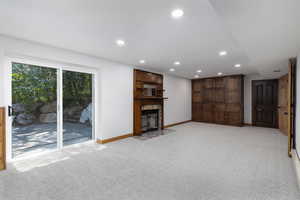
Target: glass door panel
[[77, 107], [34, 108]]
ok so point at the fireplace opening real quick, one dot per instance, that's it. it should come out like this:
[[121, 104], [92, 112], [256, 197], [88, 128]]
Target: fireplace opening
[[150, 120]]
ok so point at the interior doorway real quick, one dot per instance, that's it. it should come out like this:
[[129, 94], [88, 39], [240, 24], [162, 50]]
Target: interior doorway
[[264, 103], [50, 108]]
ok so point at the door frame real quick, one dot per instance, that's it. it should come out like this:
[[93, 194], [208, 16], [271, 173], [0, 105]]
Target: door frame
[[292, 105], [60, 67], [252, 103]]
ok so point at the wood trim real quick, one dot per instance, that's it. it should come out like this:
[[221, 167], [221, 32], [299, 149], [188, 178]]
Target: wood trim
[[248, 124], [2, 134], [176, 124], [113, 139], [291, 104], [210, 77]]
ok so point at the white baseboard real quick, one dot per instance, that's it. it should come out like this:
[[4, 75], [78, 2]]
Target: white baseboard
[[296, 162]]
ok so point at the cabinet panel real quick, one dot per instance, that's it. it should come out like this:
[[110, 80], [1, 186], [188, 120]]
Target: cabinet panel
[[233, 97], [148, 77], [220, 82], [219, 95], [198, 85], [209, 95], [209, 83], [197, 112], [208, 112], [198, 97], [233, 83], [220, 113], [220, 100], [233, 118]]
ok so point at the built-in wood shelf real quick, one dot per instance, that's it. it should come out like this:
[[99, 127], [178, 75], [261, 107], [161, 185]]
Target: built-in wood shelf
[[148, 90], [152, 98]]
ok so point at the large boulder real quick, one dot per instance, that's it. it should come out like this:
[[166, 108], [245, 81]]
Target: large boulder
[[48, 118], [74, 110], [49, 108], [72, 114], [24, 119], [19, 108], [86, 114]]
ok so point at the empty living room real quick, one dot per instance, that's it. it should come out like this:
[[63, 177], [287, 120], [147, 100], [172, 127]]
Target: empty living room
[[150, 100]]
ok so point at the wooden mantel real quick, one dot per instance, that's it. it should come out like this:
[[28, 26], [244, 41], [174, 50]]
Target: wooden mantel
[[148, 90]]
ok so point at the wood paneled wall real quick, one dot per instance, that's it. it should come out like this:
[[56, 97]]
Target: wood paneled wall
[[218, 100], [2, 138]]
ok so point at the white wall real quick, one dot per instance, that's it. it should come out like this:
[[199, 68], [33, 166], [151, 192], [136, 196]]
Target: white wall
[[178, 105], [115, 86]]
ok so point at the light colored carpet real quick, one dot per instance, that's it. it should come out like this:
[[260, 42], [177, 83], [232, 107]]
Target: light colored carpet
[[197, 161]]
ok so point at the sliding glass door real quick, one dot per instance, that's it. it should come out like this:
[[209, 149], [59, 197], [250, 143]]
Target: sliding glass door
[[77, 107], [33, 109], [50, 108]]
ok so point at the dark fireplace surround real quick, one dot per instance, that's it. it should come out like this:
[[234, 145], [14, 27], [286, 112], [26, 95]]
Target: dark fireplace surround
[[151, 118]]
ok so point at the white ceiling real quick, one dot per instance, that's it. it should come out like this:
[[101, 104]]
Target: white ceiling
[[259, 34]]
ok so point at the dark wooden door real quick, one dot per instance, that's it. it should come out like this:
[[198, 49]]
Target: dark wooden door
[[264, 103]]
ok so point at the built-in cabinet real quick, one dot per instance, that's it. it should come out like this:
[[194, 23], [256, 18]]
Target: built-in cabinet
[[148, 101], [2, 138], [218, 100]]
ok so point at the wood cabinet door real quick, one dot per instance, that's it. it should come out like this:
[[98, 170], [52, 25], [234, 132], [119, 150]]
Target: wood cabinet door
[[220, 113], [197, 85], [208, 112], [197, 112], [219, 95], [233, 114], [220, 82], [233, 89], [209, 83], [233, 83]]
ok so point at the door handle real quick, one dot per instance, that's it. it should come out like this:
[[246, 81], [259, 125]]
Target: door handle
[[259, 109], [10, 111], [285, 113]]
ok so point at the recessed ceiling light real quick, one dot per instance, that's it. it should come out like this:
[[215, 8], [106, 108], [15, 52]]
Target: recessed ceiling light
[[120, 43], [176, 63], [172, 70], [199, 71], [223, 53], [220, 73], [177, 13], [237, 65], [142, 61], [196, 76]]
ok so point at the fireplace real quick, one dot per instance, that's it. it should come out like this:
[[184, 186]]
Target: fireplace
[[148, 102], [150, 120]]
